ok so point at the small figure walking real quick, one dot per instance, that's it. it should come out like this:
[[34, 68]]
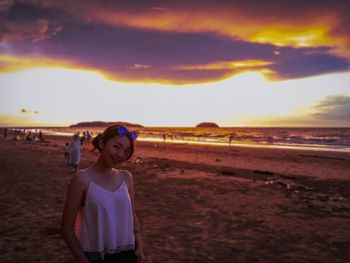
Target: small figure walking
[[74, 153], [41, 136], [231, 138], [66, 152], [5, 133]]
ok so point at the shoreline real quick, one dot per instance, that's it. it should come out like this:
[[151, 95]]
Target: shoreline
[[235, 143], [251, 145]]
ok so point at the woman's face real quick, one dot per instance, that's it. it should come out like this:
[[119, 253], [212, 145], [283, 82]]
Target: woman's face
[[116, 150]]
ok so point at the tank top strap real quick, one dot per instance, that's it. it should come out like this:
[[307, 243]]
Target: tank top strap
[[123, 181], [126, 181], [117, 173], [86, 175]]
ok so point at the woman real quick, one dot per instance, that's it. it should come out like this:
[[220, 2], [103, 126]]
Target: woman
[[99, 223]]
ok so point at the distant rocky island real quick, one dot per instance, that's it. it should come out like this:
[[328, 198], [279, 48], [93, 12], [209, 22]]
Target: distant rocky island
[[207, 125], [104, 124]]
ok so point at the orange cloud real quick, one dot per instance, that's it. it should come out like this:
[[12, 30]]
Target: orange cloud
[[138, 73], [140, 66], [242, 65], [15, 120], [17, 63], [280, 30]]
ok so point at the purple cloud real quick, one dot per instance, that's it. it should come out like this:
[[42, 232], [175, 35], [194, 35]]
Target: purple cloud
[[45, 29]]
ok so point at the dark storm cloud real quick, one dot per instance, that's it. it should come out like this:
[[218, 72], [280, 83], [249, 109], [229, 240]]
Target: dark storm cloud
[[27, 23], [331, 111], [5, 5], [333, 108], [304, 65]]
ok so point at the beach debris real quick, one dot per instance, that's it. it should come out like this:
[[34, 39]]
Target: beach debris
[[322, 197], [227, 173], [289, 177], [155, 165], [289, 184], [273, 178], [282, 183], [303, 188], [270, 181], [335, 204], [263, 172], [322, 157], [337, 197], [138, 160], [330, 202]]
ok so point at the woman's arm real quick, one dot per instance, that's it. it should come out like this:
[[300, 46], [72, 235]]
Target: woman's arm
[[137, 233], [74, 198]]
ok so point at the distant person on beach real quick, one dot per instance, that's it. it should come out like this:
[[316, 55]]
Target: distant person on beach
[[66, 152], [88, 136], [41, 136], [231, 138], [74, 152], [83, 139], [16, 135], [99, 223], [29, 136], [5, 133]]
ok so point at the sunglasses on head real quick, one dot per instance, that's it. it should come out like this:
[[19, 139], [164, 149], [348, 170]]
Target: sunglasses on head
[[122, 131]]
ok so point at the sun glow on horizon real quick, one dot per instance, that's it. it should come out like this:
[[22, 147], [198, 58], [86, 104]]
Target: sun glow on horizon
[[64, 97]]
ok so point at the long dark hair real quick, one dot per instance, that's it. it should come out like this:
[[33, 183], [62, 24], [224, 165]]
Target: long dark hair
[[109, 133]]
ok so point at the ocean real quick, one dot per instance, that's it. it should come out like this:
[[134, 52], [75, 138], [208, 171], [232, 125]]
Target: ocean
[[319, 139]]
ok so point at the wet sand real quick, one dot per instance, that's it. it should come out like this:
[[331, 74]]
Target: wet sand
[[195, 203]]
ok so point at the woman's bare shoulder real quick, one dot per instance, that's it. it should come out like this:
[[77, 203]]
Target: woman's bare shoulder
[[127, 175], [80, 180]]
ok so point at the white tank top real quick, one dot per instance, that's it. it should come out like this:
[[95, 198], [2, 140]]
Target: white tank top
[[105, 223]]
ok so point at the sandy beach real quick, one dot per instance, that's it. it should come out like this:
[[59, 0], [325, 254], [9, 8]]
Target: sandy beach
[[195, 203]]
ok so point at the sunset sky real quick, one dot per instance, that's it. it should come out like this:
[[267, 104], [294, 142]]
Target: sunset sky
[[175, 63]]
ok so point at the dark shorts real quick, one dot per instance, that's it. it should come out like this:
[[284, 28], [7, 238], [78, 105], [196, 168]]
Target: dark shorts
[[128, 256]]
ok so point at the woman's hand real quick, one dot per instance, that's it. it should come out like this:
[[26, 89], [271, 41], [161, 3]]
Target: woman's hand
[[138, 249], [85, 260], [140, 256]]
